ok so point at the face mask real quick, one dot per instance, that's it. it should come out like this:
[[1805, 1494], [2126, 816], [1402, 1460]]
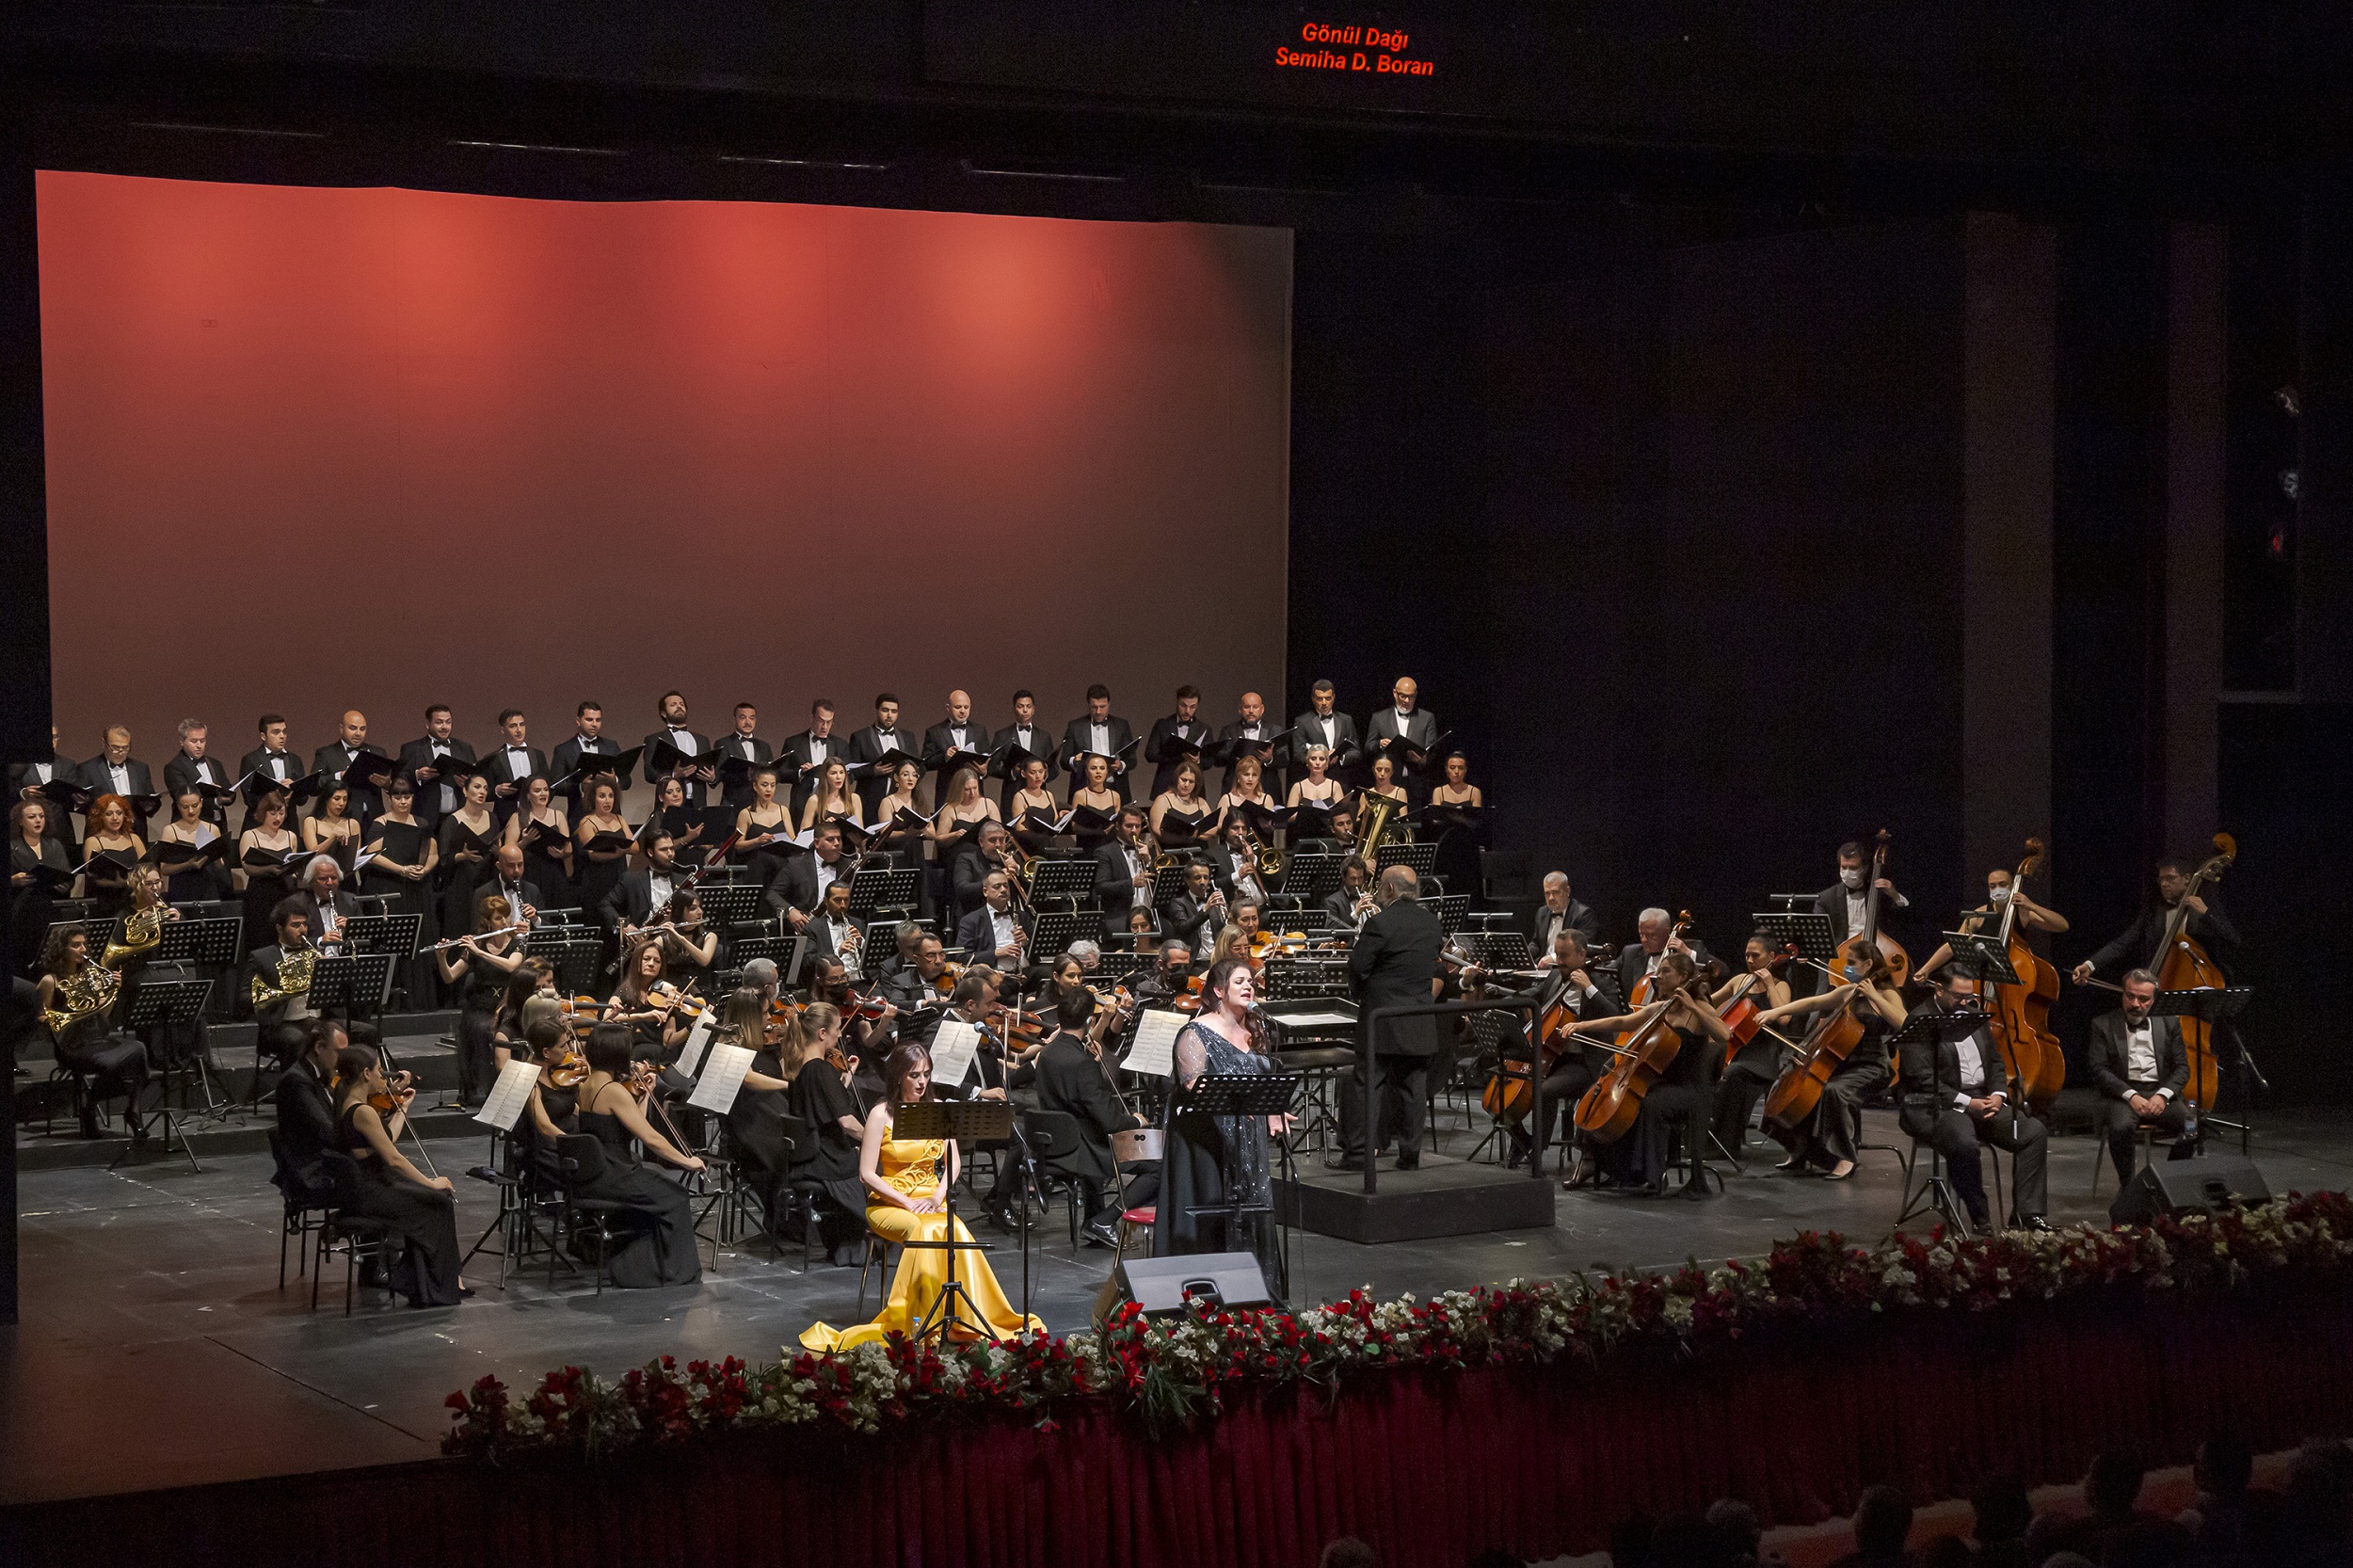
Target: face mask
[[1999, 895], [1850, 875], [1856, 971]]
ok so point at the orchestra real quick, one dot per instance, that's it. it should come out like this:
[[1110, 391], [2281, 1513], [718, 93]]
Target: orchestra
[[909, 882]]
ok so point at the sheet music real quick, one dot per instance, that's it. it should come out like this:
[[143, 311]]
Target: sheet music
[[1155, 1047], [509, 1094], [722, 1079], [952, 1051], [690, 1055], [1313, 1020]]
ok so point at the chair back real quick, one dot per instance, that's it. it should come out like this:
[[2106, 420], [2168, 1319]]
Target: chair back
[[800, 1140], [581, 1156], [1052, 1134], [343, 1178]]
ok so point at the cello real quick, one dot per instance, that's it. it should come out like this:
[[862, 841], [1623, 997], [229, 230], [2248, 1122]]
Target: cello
[[1640, 993], [2022, 1013], [1645, 1053], [2182, 964], [1811, 1061], [1510, 1090]]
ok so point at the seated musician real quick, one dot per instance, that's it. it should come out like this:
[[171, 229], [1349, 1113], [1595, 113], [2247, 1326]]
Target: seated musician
[[1751, 1069], [657, 1028], [282, 1024], [866, 1040], [1167, 982], [1958, 1097], [1640, 1157], [915, 991], [1559, 909], [1571, 984], [995, 932], [1142, 935], [1999, 893], [639, 894], [1351, 903], [2204, 922], [1640, 960], [1234, 859], [1072, 1078], [834, 934], [1194, 916], [305, 1102], [74, 998], [906, 938], [991, 851], [1825, 1140], [799, 889], [2141, 1067]]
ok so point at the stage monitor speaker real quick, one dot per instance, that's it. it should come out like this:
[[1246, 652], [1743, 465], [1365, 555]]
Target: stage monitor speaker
[[2178, 1185], [1159, 1285]]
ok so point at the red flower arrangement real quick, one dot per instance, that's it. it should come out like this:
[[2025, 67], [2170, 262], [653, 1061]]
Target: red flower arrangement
[[1172, 1372]]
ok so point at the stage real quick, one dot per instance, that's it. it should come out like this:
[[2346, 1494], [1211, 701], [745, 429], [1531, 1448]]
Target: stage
[[156, 1349]]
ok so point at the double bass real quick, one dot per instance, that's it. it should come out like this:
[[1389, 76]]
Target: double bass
[[2022, 1013], [2181, 963], [1899, 960]]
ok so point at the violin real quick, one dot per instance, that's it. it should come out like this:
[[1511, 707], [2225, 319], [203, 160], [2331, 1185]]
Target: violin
[[949, 975], [2022, 1013], [671, 1001], [567, 1068]]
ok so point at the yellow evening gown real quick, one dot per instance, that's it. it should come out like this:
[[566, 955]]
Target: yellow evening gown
[[911, 1166]]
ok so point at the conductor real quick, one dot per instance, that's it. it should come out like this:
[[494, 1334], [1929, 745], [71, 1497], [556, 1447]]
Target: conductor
[[1394, 963]]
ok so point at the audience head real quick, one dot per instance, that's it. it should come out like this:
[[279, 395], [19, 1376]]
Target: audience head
[[1736, 1526], [1882, 1518], [1347, 1552], [2113, 1483], [2002, 1510]]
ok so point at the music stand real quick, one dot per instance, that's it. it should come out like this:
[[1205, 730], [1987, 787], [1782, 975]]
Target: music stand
[[1296, 979], [2216, 1007], [158, 1002], [1296, 922], [1057, 928], [783, 952], [1422, 857], [354, 983], [1250, 1095], [1985, 956], [382, 934], [1808, 931], [959, 1121], [728, 903], [1451, 909], [1929, 1031], [1308, 876], [578, 961], [1070, 879], [877, 888], [214, 942], [1169, 880], [1503, 950]]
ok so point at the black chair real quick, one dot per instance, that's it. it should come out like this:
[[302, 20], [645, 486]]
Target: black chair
[[1052, 1135], [362, 1237], [808, 1194], [306, 1210], [581, 1157]]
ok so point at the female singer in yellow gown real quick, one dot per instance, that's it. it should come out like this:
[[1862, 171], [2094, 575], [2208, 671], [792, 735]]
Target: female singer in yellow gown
[[906, 1191]]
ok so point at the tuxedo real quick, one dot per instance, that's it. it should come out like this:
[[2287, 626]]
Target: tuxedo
[[966, 874], [793, 886], [1837, 902], [1196, 729], [2163, 1071], [1031, 738], [418, 754], [1114, 885], [333, 762], [2138, 942], [802, 752], [1077, 736], [347, 909], [1935, 1084], [972, 749], [869, 745], [1391, 965], [1072, 1081], [96, 775], [687, 741], [1420, 729], [517, 895], [1184, 919], [1263, 731], [631, 900], [823, 942], [183, 774], [1339, 732], [752, 749], [1339, 908], [976, 933], [1546, 925], [305, 1131], [1222, 861], [564, 761]]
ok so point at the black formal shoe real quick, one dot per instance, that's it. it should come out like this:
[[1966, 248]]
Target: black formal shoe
[[1100, 1236], [1408, 1160], [2035, 1225], [1001, 1215], [1348, 1162]]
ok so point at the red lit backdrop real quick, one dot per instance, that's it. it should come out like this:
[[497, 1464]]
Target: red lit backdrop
[[318, 448]]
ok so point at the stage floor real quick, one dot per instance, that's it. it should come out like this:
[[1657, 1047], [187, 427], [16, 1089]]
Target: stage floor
[[156, 1349]]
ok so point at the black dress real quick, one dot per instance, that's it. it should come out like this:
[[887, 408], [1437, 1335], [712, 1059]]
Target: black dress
[[658, 1246], [763, 861], [1643, 1156], [425, 1218], [31, 908], [1217, 1159], [458, 878], [266, 887], [1830, 1134], [820, 1100], [206, 881], [598, 878], [535, 1158], [544, 870], [403, 843], [116, 1062], [481, 989]]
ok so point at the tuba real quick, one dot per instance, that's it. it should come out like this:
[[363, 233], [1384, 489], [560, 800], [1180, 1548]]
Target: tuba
[[142, 929], [82, 996], [1376, 817], [293, 979]]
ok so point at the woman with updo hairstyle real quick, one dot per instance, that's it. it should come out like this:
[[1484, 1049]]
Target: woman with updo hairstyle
[[658, 1246]]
